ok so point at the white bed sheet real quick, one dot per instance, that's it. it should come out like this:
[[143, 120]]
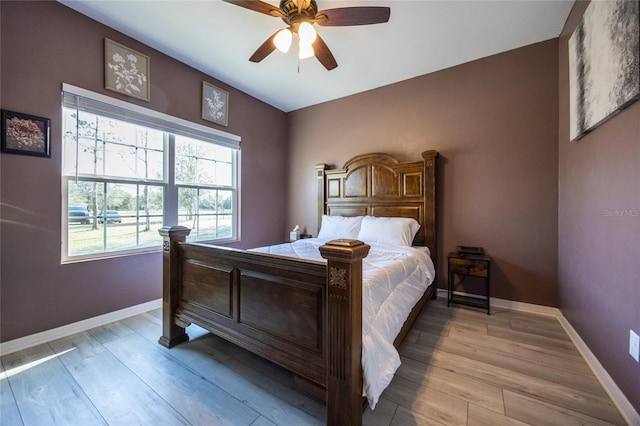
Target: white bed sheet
[[394, 279]]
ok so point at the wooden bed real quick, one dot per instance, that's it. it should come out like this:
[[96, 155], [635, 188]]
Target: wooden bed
[[303, 315]]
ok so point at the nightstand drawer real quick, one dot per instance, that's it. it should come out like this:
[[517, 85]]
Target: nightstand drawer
[[477, 268]]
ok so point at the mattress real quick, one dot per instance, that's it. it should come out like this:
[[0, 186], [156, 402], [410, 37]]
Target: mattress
[[394, 279]]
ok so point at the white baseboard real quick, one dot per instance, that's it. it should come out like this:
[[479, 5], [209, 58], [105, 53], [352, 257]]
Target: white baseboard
[[621, 402], [512, 305], [529, 308], [627, 410], [77, 327]]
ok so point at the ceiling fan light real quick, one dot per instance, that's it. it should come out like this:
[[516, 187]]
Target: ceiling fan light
[[307, 33], [305, 50], [282, 40]]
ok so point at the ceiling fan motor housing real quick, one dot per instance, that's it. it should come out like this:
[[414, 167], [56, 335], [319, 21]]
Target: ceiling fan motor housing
[[298, 11]]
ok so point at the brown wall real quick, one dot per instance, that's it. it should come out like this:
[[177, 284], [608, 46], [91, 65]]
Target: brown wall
[[599, 251], [494, 122], [43, 45]]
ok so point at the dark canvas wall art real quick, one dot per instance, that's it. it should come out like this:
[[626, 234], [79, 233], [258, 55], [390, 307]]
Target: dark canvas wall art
[[604, 64]]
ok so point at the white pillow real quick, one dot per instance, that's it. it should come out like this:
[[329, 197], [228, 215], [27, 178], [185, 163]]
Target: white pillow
[[335, 227], [397, 231]]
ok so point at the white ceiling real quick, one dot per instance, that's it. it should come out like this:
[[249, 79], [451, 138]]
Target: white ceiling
[[421, 37]]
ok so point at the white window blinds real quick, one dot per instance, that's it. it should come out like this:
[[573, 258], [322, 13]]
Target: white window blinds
[[85, 100]]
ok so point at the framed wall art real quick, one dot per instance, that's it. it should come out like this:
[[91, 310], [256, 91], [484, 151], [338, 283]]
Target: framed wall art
[[604, 64], [125, 70], [215, 104], [25, 134]]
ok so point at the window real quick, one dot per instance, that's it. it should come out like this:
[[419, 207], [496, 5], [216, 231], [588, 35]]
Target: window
[[204, 176], [128, 170]]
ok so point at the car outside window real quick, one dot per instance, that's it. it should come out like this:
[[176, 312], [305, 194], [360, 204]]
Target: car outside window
[[79, 215]]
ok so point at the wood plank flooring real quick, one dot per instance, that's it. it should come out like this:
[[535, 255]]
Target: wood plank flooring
[[459, 367]]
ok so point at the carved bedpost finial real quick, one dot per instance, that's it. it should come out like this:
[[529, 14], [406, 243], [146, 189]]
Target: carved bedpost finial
[[430, 157], [344, 319], [171, 236]]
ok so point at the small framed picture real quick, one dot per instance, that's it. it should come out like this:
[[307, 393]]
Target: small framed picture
[[25, 134], [125, 70], [215, 104]]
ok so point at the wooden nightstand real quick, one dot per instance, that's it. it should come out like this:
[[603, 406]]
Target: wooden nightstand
[[472, 265]]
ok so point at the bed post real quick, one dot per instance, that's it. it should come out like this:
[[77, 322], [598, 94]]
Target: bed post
[[344, 330], [171, 236], [431, 238], [322, 195]]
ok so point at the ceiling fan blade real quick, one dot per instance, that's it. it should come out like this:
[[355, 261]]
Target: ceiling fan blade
[[265, 49], [323, 54], [258, 6], [360, 15]]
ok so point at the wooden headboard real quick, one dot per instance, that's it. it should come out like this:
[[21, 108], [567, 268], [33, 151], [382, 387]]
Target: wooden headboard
[[380, 185]]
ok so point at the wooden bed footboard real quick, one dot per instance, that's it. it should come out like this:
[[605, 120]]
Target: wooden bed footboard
[[303, 315]]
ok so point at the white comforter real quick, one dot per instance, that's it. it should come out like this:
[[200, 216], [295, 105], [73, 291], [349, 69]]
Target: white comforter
[[394, 279]]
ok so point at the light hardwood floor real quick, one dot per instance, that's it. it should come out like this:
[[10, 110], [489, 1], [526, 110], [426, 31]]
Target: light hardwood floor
[[459, 367]]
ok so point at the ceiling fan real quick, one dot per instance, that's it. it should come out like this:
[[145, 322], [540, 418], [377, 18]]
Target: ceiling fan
[[300, 15]]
